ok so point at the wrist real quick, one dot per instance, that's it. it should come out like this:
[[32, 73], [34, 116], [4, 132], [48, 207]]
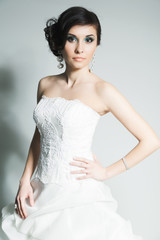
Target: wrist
[[106, 173], [24, 181], [116, 168]]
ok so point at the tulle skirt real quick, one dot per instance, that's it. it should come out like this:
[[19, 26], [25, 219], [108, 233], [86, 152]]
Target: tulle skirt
[[77, 211]]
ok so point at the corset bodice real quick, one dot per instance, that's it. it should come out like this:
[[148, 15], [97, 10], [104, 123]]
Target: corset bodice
[[66, 130]]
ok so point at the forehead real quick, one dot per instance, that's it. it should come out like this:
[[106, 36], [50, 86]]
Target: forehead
[[82, 30]]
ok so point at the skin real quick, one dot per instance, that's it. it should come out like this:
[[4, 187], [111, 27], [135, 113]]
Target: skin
[[78, 82]]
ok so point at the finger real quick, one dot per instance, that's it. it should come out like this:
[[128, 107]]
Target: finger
[[81, 159], [83, 177], [79, 171], [23, 208], [19, 208], [31, 199], [18, 212], [79, 164]]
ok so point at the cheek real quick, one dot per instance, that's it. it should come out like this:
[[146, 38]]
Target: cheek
[[68, 49], [90, 51]]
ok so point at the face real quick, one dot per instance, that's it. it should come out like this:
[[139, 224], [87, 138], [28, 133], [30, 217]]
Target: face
[[81, 43]]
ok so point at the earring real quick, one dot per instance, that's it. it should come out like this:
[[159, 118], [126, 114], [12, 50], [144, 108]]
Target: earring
[[93, 62], [60, 59]]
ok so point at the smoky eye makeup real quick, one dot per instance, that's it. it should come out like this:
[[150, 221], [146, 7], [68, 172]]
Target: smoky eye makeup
[[71, 38], [89, 39]]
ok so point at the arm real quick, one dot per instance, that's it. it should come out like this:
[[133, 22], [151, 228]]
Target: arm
[[25, 189], [149, 142], [32, 158], [34, 149]]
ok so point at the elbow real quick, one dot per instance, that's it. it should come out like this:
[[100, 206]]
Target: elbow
[[155, 143], [158, 144], [152, 143]]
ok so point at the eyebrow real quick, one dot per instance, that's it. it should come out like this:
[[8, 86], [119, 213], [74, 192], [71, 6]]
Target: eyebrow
[[86, 35]]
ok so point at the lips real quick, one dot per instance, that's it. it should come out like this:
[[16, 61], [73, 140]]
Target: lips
[[78, 58]]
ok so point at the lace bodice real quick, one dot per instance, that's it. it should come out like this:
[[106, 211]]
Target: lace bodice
[[66, 130]]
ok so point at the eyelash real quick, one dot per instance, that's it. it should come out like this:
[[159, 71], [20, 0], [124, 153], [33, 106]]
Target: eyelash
[[89, 38]]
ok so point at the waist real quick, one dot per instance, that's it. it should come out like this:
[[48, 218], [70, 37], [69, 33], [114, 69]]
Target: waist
[[65, 146], [55, 168]]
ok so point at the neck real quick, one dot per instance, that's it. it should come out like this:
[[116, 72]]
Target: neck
[[76, 76]]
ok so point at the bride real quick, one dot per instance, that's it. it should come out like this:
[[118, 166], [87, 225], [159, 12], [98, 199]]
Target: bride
[[54, 200]]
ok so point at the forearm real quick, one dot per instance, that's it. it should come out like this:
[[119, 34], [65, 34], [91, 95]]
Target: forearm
[[136, 155], [31, 163]]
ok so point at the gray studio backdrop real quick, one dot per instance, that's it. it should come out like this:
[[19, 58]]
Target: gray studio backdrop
[[128, 57]]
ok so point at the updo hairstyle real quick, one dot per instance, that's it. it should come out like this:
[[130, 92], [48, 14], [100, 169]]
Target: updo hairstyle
[[56, 30]]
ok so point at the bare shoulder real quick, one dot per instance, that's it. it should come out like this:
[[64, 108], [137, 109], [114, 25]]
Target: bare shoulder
[[44, 83], [106, 91], [105, 87], [112, 98]]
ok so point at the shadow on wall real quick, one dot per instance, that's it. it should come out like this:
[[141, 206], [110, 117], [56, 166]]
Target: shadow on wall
[[12, 143]]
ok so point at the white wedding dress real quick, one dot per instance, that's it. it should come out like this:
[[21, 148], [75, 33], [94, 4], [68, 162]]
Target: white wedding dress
[[65, 208]]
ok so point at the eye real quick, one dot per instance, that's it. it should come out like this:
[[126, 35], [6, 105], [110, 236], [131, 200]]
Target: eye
[[89, 39], [70, 38]]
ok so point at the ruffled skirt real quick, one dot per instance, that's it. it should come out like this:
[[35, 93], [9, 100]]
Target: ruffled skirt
[[77, 211]]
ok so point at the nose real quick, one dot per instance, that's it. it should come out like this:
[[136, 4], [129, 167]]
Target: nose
[[79, 48]]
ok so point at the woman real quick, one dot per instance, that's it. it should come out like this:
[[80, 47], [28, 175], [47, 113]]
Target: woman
[[62, 194]]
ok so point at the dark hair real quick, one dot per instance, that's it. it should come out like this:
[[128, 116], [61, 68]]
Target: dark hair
[[56, 30]]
